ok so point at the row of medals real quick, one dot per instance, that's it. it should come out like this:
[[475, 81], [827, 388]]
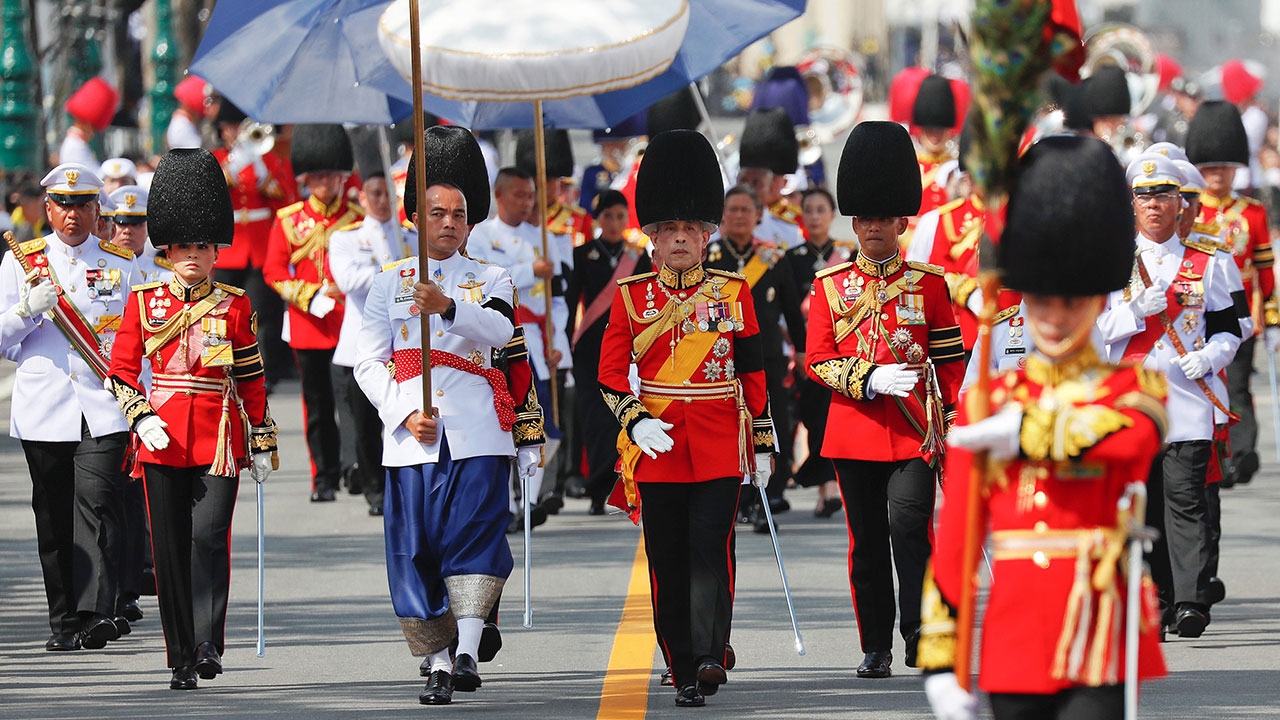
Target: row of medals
[[688, 326]]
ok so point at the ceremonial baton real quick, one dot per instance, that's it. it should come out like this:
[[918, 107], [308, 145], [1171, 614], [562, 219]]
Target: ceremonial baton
[[1275, 400], [262, 635], [528, 550], [782, 570], [1140, 538]]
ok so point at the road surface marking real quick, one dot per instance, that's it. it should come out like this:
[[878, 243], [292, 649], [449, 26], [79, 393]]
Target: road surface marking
[[626, 683]]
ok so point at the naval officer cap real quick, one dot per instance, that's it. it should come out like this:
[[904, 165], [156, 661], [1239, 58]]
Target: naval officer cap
[[189, 201], [1167, 149], [106, 206], [72, 184], [118, 169], [1193, 182], [131, 205], [1153, 173]]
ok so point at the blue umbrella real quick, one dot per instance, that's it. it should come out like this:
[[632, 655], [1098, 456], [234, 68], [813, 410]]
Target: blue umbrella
[[320, 61]]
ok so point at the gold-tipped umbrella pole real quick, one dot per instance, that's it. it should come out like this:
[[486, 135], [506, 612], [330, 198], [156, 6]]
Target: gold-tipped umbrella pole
[[419, 191], [547, 335]]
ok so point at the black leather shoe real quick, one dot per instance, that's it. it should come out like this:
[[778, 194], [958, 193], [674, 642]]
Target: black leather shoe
[[466, 676], [779, 505], [98, 632], [184, 678], [876, 664], [324, 495], [208, 661], [597, 508], [490, 642], [1217, 591], [375, 511], [761, 525], [122, 625], [688, 696], [1246, 467], [830, 507], [131, 611], [537, 516], [439, 689], [913, 641], [730, 657], [666, 680], [63, 642], [711, 676], [552, 504], [1191, 621], [424, 670]]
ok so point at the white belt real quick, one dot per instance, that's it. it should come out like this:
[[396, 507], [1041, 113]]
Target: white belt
[[248, 215]]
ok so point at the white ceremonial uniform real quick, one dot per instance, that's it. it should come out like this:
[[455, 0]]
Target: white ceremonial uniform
[[1191, 414], [153, 266], [75, 149], [516, 248], [464, 401], [773, 228], [54, 386], [1011, 344], [356, 256]]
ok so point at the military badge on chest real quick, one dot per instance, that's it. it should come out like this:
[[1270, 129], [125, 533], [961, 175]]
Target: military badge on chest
[[405, 293], [1189, 293], [102, 282], [853, 287], [158, 305], [215, 347], [474, 294], [910, 307]]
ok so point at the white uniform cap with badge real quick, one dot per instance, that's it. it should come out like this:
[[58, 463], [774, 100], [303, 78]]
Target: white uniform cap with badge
[[72, 184], [1152, 173], [118, 169], [106, 206], [1168, 149], [1193, 182], [131, 205]]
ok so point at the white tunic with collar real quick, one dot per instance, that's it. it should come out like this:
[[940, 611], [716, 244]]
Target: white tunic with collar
[[356, 256], [54, 386], [464, 400]]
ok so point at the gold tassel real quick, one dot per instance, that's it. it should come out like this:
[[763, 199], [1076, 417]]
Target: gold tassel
[[1077, 603], [224, 459], [628, 456], [746, 440]]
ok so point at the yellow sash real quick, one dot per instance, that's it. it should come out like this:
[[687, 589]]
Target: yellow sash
[[177, 324], [754, 270]]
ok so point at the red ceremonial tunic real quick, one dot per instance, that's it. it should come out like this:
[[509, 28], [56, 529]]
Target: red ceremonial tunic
[[701, 372], [570, 220], [255, 204], [297, 267], [955, 250], [866, 314], [206, 371], [1061, 492], [934, 195], [1241, 222]]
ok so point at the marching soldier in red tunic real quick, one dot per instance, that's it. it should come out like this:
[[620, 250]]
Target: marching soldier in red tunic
[[206, 411], [883, 336], [768, 154], [1218, 146], [696, 344], [934, 115], [1070, 439], [297, 266]]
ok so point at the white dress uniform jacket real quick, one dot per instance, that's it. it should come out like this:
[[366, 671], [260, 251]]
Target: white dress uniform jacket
[[774, 229], [152, 266], [54, 386], [464, 400], [1191, 414], [356, 256]]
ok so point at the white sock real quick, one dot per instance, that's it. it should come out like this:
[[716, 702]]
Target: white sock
[[469, 629], [440, 661]]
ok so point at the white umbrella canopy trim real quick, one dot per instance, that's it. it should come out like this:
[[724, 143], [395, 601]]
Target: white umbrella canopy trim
[[517, 50]]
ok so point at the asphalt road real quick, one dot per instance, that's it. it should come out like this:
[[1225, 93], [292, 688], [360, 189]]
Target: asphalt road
[[334, 649]]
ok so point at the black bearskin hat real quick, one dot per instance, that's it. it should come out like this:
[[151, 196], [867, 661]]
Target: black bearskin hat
[[454, 157], [559, 153], [679, 180], [677, 111], [1107, 92], [878, 174], [769, 141], [1216, 135], [189, 201], [321, 148], [935, 105]]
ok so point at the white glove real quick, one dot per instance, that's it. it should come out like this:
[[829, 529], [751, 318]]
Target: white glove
[[1271, 336], [894, 380], [1151, 301], [237, 161], [150, 430], [260, 170], [760, 478], [528, 459], [261, 467], [1000, 434], [37, 299], [1194, 364], [974, 303], [650, 434], [948, 700], [321, 304]]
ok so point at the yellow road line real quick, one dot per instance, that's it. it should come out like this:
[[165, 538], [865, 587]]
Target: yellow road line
[[626, 683]]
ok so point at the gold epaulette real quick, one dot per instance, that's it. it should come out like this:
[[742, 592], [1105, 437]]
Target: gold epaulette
[[396, 263], [354, 225], [116, 250], [1249, 200], [147, 286], [787, 214], [634, 278], [1209, 228], [464, 254], [577, 210], [832, 270], [288, 210], [408, 225], [163, 262], [229, 289], [926, 267], [1005, 314], [726, 273], [944, 209], [32, 246], [1206, 247]]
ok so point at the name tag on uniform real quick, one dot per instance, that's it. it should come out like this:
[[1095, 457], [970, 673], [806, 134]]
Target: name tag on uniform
[[405, 294]]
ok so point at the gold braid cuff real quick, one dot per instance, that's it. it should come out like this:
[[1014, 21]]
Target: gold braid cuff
[[429, 636], [262, 438], [626, 407], [762, 433], [936, 649], [847, 376], [133, 404], [529, 427], [473, 596]]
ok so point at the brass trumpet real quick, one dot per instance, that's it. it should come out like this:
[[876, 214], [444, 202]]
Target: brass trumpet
[[255, 139]]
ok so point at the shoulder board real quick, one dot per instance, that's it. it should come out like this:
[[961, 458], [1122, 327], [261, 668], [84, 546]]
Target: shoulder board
[[163, 262], [463, 253], [1005, 314], [396, 263], [116, 249], [352, 207], [354, 225], [229, 289], [408, 225], [147, 286], [288, 210], [577, 210], [726, 273], [1209, 228], [944, 209], [1207, 248], [1250, 201], [926, 267], [833, 269], [32, 246], [635, 278]]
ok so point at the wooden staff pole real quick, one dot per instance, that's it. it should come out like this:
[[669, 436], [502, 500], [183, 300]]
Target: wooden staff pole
[[547, 330], [420, 190]]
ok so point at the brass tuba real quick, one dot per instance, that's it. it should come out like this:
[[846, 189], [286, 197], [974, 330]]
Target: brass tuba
[[1131, 50], [255, 138]]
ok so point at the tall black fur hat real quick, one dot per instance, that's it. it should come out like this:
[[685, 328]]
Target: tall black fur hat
[[878, 174], [1107, 92], [189, 201], [677, 111], [1216, 135], [402, 133], [320, 148], [769, 141], [453, 156], [228, 113], [935, 105], [679, 180], [1070, 221], [559, 153]]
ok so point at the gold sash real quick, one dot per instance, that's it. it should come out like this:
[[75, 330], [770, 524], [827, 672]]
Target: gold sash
[[754, 270]]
